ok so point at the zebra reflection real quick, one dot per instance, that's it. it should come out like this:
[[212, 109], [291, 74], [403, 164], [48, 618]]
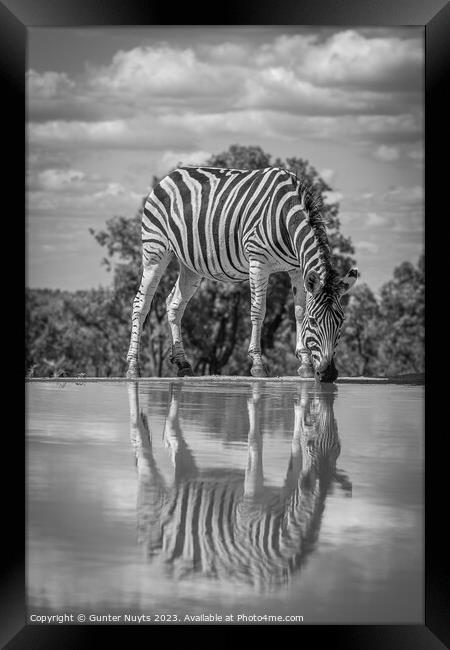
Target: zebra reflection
[[231, 527]]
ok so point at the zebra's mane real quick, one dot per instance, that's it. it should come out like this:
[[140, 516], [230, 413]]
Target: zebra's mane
[[314, 208]]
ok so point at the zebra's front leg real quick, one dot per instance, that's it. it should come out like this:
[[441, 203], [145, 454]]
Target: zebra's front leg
[[151, 276], [184, 289], [259, 278], [305, 369]]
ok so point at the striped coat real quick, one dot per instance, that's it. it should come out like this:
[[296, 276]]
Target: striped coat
[[228, 526], [232, 225], [215, 220]]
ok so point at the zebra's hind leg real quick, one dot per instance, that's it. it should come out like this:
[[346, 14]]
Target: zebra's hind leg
[[184, 289], [259, 278], [151, 276]]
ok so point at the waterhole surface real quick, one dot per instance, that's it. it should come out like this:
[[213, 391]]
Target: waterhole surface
[[231, 498]]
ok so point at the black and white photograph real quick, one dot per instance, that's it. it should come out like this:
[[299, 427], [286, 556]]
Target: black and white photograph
[[225, 325]]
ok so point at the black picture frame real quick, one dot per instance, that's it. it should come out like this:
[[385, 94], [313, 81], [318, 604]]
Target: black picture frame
[[16, 16]]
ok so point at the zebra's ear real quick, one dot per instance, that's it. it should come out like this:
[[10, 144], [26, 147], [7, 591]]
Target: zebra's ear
[[312, 282], [348, 280]]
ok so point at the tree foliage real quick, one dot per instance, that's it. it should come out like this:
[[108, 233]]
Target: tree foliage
[[402, 308], [69, 333], [357, 354]]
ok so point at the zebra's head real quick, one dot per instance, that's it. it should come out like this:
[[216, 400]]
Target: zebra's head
[[323, 319]]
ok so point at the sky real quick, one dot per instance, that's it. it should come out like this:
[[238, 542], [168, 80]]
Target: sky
[[109, 108]]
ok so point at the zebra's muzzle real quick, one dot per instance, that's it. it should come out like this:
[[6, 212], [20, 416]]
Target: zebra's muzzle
[[326, 371]]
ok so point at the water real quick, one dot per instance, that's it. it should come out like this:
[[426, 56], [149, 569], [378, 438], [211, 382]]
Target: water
[[231, 498]]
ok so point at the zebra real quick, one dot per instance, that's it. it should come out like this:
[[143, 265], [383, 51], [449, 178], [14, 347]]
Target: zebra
[[232, 225], [231, 527]]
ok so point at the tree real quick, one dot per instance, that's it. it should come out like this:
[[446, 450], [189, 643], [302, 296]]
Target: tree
[[341, 247], [43, 313], [122, 241], [217, 339], [72, 333], [279, 299], [88, 331], [219, 342], [402, 307], [357, 353]]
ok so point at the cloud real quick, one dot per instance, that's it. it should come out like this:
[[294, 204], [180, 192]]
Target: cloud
[[64, 131], [394, 197], [70, 191], [96, 135], [58, 179], [374, 219], [111, 200], [136, 134], [417, 155], [387, 154], [171, 159], [48, 85], [328, 175], [367, 247], [360, 129], [160, 70], [332, 197], [404, 195], [349, 59], [170, 98], [345, 73], [297, 65], [111, 190], [185, 131], [398, 210], [54, 95], [398, 128], [226, 53], [280, 88]]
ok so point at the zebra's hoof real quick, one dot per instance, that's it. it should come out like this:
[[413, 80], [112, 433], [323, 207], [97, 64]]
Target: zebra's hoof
[[185, 370], [306, 372], [133, 372], [259, 371]]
